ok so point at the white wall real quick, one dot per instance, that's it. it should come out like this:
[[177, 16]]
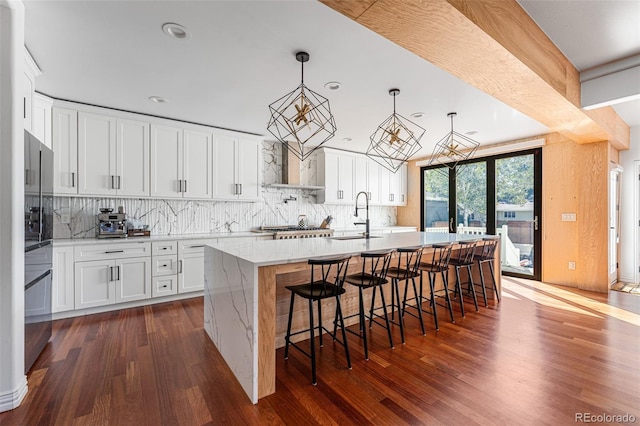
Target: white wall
[[13, 385], [629, 199]]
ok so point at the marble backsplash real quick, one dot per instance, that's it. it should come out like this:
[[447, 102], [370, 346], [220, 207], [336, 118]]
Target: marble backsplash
[[75, 217]]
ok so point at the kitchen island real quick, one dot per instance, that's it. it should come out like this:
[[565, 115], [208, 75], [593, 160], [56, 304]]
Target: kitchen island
[[244, 285]]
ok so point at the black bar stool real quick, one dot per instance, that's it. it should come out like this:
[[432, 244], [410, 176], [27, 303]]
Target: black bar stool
[[465, 259], [329, 284], [373, 275], [486, 254], [438, 264], [407, 269]]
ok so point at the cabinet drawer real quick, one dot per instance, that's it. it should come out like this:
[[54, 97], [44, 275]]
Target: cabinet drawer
[[164, 265], [161, 248], [193, 246], [164, 286], [111, 251]]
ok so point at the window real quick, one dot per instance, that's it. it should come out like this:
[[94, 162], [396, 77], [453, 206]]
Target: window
[[510, 215]]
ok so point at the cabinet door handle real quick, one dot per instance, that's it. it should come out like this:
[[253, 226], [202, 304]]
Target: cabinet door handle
[[110, 273], [180, 266], [164, 248], [185, 186], [119, 182], [73, 179], [118, 269], [240, 188], [114, 251], [199, 246], [179, 185], [164, 286], [402, 198], [113, 185], [164, 266]]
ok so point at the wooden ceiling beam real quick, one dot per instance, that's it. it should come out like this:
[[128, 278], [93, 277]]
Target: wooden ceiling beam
[[496, 47]]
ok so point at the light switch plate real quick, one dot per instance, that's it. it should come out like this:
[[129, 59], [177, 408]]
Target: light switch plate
[[568, 217]]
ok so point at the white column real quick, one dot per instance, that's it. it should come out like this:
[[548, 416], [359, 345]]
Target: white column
[[13, 383]]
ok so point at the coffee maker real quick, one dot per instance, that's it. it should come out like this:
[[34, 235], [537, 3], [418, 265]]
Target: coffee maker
[[111, 225]]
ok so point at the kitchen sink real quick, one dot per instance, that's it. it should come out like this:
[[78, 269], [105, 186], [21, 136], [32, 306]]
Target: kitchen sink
[[354, 237]]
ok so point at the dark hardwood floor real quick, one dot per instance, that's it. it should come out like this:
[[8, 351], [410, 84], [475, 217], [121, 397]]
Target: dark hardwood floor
[[542, 355]]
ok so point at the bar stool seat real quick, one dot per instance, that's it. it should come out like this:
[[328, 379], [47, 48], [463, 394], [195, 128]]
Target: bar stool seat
[[486, 254], [437, 264], [465, 259], [329, 285], [406, 269], [375, 265]]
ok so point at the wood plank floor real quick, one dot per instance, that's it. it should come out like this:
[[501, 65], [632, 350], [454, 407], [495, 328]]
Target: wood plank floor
[[542, 355]]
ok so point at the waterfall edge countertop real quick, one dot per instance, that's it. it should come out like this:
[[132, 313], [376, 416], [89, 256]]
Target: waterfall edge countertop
[[242, 312], [273, 252]]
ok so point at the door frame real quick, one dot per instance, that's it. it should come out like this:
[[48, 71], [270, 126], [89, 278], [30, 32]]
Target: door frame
[[491, 205]]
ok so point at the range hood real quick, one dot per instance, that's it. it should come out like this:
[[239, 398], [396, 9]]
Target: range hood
[[291, 172]]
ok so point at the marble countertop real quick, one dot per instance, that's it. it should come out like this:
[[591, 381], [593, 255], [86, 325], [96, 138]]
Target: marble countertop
[[77, 241], [220, 235], [274, 252]]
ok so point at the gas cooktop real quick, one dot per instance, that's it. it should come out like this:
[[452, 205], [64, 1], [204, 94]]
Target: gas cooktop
[[286, 228]]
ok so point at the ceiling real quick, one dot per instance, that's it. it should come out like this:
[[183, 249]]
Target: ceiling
[[239, 58]]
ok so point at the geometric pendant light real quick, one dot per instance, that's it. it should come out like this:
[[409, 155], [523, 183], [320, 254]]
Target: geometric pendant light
[[302, 118], [395, 140], [453, 148]]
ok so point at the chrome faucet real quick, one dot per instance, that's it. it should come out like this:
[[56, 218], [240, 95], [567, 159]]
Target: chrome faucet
[[366, 222]]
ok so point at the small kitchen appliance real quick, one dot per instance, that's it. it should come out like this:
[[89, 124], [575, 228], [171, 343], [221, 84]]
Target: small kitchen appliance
[[111, 225]]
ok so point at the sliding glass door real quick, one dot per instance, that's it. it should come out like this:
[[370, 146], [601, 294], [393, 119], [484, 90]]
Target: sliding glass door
[[494, 195]]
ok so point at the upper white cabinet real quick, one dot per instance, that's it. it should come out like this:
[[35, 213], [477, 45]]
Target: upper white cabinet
[[237, 168], [41, 118], [180, 162], [31, 71], [64, 141], [393, 186], [336, 174], [344, 175], [113, 156], [367, 178]]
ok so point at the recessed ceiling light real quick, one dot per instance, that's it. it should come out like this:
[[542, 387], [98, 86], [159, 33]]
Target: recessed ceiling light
[[157, 99], [175, 30], [417, 114], [347, 139], [472, 132], [333, 85]]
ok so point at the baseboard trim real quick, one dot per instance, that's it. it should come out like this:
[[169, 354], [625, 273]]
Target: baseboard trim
[[12, 399], [629, 279]]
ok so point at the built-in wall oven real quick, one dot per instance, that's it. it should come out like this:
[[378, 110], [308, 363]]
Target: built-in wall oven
[[38, 232]]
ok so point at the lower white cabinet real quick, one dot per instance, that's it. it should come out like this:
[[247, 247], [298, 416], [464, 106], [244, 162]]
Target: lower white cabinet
[[164, 268], [62, 299], [191, 265], [116, 278]]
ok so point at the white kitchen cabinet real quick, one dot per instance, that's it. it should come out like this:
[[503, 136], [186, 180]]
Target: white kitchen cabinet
[[191, 265], [398, 186], [164, 268], [63, 281], [367, 178], [237, 168], [181, 162], [41, 118], [113, 156], [393, 186], [64, 140], [336, 174], [106, 274], [94, 283]]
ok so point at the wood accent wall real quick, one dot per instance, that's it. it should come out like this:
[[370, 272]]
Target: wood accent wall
[[575, 180], [409, 215]]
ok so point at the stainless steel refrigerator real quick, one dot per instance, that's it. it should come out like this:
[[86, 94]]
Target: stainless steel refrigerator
[[38, 256]]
